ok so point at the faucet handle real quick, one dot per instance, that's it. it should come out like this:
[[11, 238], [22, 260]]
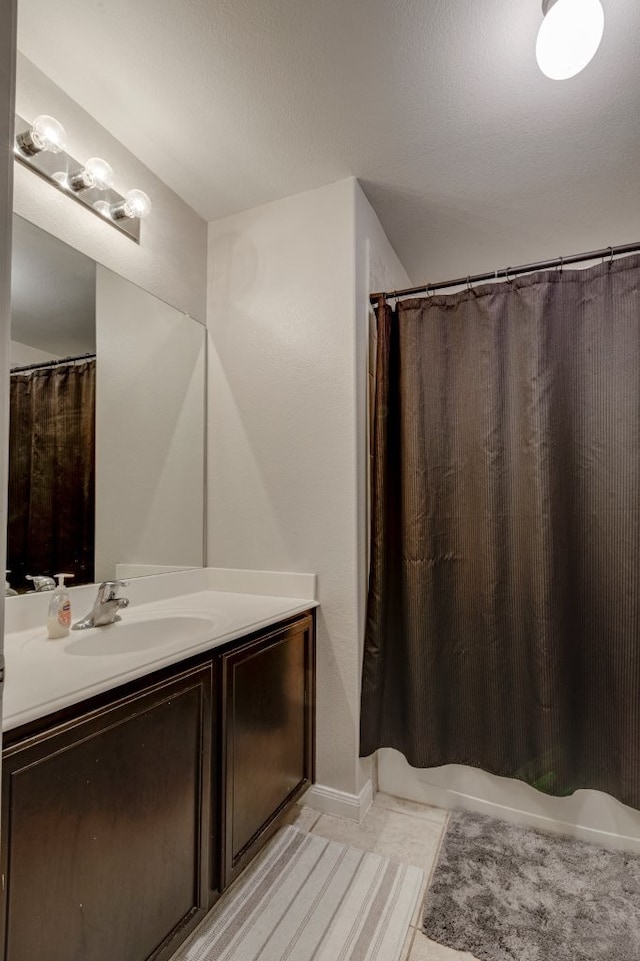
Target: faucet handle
[[108, 590]]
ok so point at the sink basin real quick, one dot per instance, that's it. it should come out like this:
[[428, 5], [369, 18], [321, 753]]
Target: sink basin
[[128, 636]]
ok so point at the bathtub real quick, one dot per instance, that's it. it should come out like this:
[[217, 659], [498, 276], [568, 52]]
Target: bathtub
[[589, 815]]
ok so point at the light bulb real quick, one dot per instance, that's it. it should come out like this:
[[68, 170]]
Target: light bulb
[[95, 173], [45, 133], [569, 37], [100, 172], [137, 204], [50, 132]]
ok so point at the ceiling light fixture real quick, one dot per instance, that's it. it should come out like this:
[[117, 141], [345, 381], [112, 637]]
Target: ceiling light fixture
[[42, 148], [569, 36], [45, 133]]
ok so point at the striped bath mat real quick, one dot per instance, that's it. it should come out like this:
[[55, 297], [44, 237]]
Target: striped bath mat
[[308, 899]]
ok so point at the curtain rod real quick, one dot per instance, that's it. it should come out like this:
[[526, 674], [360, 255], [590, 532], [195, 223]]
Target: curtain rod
[[508, 272], [52, 363]]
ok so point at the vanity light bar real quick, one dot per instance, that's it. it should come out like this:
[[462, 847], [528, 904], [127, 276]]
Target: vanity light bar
[[41, 147]]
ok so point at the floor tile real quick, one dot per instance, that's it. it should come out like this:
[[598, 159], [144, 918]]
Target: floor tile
[[301, 817], [439, 815], [399, 836], [416, 920], [423, 949], [406, 948]]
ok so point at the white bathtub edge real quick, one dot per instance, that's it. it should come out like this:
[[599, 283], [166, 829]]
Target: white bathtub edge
[[590, 815]]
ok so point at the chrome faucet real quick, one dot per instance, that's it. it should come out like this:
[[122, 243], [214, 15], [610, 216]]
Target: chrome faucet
[[40, 583], [105, 607]]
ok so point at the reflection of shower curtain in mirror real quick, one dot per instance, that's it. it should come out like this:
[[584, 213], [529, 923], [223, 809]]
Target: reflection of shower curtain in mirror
[[52, 473]]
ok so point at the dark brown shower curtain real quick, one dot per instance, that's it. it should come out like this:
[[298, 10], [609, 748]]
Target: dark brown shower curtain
[[503, 623], [52, 473]]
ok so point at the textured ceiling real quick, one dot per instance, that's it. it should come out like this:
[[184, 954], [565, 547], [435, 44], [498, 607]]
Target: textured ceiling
[[465, 150]]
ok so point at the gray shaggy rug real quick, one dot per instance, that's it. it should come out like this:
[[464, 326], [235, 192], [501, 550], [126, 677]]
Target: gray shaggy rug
[[508, 893]]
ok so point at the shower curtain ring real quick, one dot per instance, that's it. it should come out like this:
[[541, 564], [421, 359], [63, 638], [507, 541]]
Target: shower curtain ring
[[611, 257], [561, 264], [429, 292], [469, 287], [506, 273]]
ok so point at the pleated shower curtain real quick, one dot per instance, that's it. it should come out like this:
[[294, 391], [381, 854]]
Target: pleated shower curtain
[[51, 509], [503, 621]]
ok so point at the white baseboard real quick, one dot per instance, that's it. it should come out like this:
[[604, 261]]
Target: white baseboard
[[329, 800]]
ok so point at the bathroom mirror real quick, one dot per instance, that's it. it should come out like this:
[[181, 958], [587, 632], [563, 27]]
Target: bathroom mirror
[[107, 421]]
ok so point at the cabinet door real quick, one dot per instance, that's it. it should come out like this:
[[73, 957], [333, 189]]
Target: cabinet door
[[104, 856], [268, 736]]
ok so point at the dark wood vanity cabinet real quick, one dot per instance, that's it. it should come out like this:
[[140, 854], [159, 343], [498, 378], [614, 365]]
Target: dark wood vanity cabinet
[[104, 851], [123, 818], [268, 737]]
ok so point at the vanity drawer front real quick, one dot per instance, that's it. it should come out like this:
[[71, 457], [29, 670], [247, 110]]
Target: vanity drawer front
[[268, 736], [103, 849]]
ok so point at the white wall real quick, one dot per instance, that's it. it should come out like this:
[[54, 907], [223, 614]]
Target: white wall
[[150, 376], [23, 354], [377, 268], [288, 327], [170, 260], [282, 425]]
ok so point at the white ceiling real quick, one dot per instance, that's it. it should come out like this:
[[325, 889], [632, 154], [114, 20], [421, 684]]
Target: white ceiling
[[466, 151]]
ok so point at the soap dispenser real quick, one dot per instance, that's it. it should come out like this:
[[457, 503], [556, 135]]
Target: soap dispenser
[[59, 617]]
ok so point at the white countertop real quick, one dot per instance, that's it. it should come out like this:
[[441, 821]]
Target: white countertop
[[217, 606]]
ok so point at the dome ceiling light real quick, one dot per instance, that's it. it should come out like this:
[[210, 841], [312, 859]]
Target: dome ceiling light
[[569, 36]]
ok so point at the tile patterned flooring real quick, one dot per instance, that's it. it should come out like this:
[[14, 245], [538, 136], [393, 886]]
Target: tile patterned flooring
[[400, 830]]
